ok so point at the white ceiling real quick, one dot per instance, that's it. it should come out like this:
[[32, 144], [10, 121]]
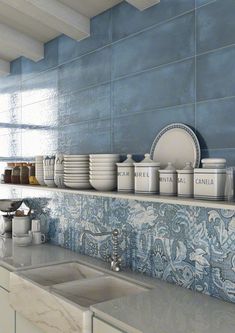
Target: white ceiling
[[25, 25]]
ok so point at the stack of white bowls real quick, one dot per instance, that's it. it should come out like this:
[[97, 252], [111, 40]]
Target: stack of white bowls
[[103, 171], [39, 170], [76, 171]]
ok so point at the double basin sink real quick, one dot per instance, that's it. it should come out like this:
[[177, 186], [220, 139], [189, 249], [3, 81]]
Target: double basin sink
[[59, 296]]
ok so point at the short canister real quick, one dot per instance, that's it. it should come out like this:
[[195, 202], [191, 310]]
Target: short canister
[[146, 176], [125, 175], [168, 180], [209, 184], [185, 181]]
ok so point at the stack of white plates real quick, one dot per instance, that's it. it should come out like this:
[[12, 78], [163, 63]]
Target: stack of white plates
[[76, 171], [39, 170], [103, 171]]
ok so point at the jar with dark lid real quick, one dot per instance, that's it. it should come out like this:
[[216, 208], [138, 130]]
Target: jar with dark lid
[[15, 176], [24, 174], [8, 172]]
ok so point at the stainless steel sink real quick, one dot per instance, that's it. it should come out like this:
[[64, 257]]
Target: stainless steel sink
[[56, 274], [90, 292]]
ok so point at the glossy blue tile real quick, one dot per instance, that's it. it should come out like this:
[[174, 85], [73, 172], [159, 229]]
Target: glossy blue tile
[[100, 36], [216, 74], [142, 51], [215, 123], [93, 103], [136, 134], [126, 19], [220, 31], [50, 60], [91, 69], [169, 85], [84, 138], [40, 87], [42, 113], [203, 2]]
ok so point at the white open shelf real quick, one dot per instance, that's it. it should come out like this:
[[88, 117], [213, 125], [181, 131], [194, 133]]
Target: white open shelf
[[132, 196]]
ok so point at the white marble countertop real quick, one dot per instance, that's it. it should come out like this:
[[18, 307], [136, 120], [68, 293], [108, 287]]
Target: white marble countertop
[[165, 309]]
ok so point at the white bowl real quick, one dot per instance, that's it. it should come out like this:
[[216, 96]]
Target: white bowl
[[108, 178], [213, 166], [103, 185], [76, 179], [103, 164], [103, 173], [103, 168], [104, 156], [76, 156], [81, 186], [104, 160], [76, 172]]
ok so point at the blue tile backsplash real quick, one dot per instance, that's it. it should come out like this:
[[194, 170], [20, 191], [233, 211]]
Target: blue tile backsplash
[[113, 92]]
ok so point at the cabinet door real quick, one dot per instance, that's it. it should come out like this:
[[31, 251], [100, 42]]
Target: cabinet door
[[100, 326], [7, 314], [25, 326]]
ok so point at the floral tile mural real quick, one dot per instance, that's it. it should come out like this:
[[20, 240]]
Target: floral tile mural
[[189, 246]]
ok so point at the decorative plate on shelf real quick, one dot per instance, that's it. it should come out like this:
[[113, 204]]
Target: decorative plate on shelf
[[178, 144]]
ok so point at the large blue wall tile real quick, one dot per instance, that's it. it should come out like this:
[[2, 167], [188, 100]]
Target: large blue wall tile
[[203, 2], [126, 19], [136, 134], [215, 25], [216, 74], [216, 123], [84, 138], [100, 36], [43, 113], [91, 69], [143, 51], [31, 68], [41, 87], [93, 103], [169, 85]]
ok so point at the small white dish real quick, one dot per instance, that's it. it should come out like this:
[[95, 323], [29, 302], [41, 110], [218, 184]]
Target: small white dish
[[103, 185]]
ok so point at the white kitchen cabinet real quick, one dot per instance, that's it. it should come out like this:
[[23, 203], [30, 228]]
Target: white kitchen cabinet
[[25, 326], [7, 314], [100, 326]]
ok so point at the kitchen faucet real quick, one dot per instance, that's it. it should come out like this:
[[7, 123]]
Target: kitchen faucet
[[115, 259]]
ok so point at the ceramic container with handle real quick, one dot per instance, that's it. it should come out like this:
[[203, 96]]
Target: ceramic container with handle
[[146, 176]]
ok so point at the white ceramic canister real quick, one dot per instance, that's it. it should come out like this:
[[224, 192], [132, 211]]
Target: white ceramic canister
[[209, 184], [168, 180], [185, 181], [146, 176], [125, 175]]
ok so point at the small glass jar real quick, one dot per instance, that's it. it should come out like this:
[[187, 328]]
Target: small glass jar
[[32, 177], [24, 174], [15, 176], [8, 172]]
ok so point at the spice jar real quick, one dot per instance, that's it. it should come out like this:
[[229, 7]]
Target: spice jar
[[146, 176], [24, 174], [168, 180], [15, 176], [8, 172], [185, 181], [32, 177], [126, 175]]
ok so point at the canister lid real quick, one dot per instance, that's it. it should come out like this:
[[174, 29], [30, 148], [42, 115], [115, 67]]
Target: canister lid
[[128, 162], [148, 162], [209, 171], [170, 168], [214, 161], [188, 169]]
